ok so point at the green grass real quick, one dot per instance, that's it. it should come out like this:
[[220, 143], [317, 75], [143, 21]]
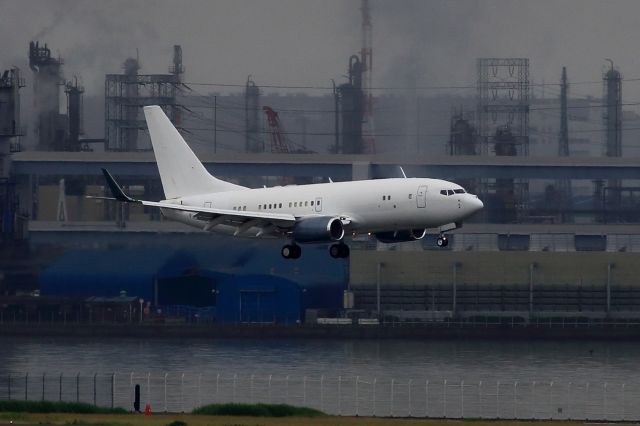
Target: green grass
[[56, 407], [257, 410], [177, 423]]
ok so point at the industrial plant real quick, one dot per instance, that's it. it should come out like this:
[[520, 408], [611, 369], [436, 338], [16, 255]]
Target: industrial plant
[[556, 243]]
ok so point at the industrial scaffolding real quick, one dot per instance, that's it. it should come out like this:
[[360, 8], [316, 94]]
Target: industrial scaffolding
[[126, 94]]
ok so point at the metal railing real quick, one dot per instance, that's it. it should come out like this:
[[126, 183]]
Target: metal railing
[[340, 395]]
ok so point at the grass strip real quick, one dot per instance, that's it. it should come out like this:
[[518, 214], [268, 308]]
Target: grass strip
[[257, 410], [56, 407]]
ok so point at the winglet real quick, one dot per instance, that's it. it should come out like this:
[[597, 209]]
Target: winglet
[[116, 191], [402, 171]]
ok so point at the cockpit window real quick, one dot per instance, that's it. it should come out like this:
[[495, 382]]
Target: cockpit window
[[459, 191], [443, 192], [449, 192]]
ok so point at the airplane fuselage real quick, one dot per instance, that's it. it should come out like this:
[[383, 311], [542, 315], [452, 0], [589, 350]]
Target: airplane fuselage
[[366, 206]]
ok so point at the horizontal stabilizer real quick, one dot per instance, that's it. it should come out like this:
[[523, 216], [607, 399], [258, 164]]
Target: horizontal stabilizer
[[116, 190]]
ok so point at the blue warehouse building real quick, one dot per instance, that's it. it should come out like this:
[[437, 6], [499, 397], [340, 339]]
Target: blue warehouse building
[[233, 280]]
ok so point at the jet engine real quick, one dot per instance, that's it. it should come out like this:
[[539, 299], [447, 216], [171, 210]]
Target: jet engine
[[401, 236], [318, 230]]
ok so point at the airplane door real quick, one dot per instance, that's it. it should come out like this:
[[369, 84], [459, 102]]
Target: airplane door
[[207, 204], [319, 204], [421, 197]]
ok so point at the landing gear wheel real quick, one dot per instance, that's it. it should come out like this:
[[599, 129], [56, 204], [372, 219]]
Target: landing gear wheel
[[442, 241], [339, 251], [291, 251], [297, 252]]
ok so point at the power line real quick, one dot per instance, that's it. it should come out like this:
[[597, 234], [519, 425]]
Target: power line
[[397, 88], [241, 132], [332, 111]]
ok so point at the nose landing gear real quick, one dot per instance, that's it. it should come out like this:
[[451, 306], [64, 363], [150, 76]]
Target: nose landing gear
[[442, 241], [339, 251], [291, 251]]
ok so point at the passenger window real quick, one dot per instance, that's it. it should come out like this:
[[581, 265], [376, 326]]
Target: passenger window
[[289, 203], [318, 202], [384, 197], [244, 208], [269, 205], [295, 204], [280, 205], [410, 196], [312, 203], [388, 197], [306, 203]]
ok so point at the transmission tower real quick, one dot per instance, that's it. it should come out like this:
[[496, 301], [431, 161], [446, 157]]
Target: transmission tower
[[503, 122]]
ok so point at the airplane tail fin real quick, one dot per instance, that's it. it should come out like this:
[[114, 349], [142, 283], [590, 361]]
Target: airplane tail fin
[[181, 172]]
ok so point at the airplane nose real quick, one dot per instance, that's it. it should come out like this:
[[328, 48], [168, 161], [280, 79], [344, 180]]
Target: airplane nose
[[476, 204]]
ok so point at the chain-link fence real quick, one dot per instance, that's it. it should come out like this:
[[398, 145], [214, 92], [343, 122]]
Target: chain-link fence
[[341, 395]]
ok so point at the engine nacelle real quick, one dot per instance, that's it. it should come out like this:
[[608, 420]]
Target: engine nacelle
[[401, 236], [318, 230]]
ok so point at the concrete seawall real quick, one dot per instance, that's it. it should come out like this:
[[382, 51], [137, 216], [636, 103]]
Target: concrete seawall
[[439, 331]]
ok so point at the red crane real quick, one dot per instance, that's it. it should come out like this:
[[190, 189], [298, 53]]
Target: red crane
[[278, 144]]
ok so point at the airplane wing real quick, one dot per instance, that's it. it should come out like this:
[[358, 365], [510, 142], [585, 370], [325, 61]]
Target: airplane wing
[[242, 220]]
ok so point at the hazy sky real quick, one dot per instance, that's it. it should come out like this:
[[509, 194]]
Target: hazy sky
[[297, 42]]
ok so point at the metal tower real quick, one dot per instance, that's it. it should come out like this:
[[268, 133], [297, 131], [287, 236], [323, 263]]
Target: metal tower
[[48, 79], [563, 141], [563, 186], [74, 112], [252, 143], [503, 122], [366, 60], [612, 80], [10, 129], [177, 69], [11, 226], [351, 102], [503, 100]]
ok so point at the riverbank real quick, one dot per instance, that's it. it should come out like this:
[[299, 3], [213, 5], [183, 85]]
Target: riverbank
[[444, 331], [193, 420]]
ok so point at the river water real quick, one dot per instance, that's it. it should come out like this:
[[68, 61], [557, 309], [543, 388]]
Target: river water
[[401, 359]]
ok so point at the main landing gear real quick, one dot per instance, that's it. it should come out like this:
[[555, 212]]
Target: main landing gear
[[442, 241], [339, 251], [291, 251]]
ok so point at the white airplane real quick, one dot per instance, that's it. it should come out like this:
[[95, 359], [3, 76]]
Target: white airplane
[[393, 210]]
